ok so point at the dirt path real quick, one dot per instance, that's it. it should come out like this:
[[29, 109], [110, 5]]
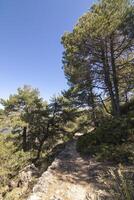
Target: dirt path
[[70, 177]]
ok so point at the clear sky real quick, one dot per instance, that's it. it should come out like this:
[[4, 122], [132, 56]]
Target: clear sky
[[30, 49]]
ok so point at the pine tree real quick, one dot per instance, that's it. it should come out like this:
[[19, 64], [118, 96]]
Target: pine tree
[[99, 48]]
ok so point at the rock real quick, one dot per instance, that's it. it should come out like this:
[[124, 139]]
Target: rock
[[71, 177], [31, 168], [25, 176], [55, 164], [35, 197], [11, 185], [1, 198], [56, 198]]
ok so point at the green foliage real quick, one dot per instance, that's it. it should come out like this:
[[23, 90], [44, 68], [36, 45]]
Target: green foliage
[[98, 56], [123, 183], [112, 141], [14, 195], [39, 124], [11, 159], [99, 67], [127, 107]]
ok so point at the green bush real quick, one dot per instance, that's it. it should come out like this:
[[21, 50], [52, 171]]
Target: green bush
[[11, 159], [122, 183], [112, 141], [127, 107]]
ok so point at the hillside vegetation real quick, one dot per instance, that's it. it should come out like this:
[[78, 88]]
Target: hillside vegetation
[[113, 140], [98, 62]]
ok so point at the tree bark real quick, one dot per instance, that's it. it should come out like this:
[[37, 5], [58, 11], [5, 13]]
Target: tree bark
[[107, 79], [24, 136], [39, 150], [104, 106], [91, 103], [115, 78], [42, 142]]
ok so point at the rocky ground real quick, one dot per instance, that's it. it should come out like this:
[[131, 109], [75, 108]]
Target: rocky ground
[[71, 177]]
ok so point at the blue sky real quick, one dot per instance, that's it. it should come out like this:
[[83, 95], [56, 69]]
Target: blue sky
[[30, 49]]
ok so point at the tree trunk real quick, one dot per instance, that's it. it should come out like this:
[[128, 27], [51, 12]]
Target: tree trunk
[[115, 79], [107, 79], [24, 136], [104, 106], [39, 150], [42, 142], [91, 103]]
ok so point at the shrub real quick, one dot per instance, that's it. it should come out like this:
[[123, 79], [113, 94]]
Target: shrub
[[112, 141], [127, 107], [123, 183], [11, 159]]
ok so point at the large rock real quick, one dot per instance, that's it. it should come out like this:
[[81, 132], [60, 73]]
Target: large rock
[[26, 175]]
